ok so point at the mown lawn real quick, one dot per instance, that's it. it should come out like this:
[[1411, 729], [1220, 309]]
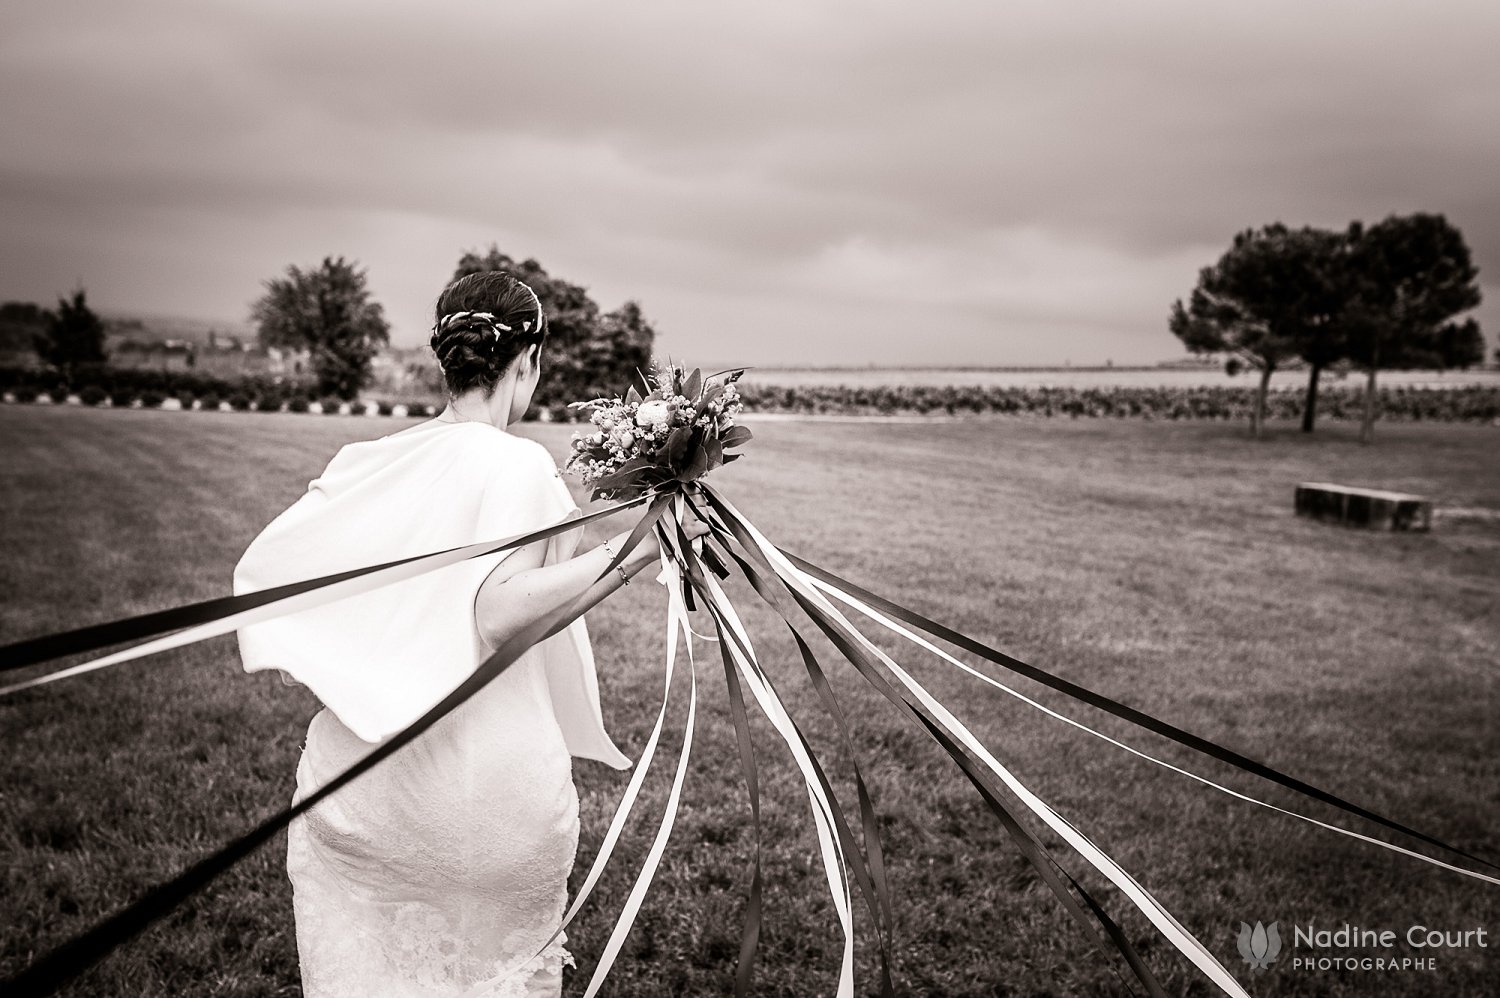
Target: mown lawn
[[1158, 562]]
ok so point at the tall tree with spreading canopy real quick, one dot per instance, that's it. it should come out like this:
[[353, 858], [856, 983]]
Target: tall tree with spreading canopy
[[327, 311], [1262, 302], [1412, 276], [1322, 290], [72, 336], [588, 354]]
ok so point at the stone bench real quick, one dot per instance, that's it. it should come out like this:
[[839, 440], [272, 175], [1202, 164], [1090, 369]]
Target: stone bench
[[1374, 508]]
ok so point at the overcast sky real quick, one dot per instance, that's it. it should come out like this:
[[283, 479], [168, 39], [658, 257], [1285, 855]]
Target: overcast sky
[[809, 182]]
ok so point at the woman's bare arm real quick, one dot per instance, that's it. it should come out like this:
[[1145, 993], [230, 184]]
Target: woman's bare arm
[[521, 590]]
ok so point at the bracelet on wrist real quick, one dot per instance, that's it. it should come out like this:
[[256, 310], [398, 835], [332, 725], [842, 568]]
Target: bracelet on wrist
[[618, 568]]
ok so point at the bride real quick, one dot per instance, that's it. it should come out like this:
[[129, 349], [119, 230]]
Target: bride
[[442, 871]]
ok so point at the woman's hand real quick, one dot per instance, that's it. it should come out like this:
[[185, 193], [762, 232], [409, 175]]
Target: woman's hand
[[650, 545], [692, 525]]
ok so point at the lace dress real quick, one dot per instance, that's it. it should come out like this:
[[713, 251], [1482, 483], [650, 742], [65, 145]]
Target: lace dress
[[445, 867]]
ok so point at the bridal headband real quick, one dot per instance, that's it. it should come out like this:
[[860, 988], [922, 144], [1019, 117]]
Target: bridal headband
[[489, 319]]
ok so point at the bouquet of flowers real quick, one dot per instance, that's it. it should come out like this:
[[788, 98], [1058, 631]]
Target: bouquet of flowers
[[679, 430]]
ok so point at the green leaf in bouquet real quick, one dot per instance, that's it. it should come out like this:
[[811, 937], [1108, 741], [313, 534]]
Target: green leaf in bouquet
[[697, 465], [736, 436], [732, 457], [632, 395], [635, 464], [655, 475], [713, 392], [676, 448], [694, 383], [621, 478], [714, 448]]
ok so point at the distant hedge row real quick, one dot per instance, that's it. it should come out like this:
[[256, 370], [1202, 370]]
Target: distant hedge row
[[124, 386], [141, 380], [1469, 404]]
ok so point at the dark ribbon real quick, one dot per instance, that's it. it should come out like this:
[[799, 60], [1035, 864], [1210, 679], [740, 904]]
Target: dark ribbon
[[1137, 717], [53, 969], [872, 882], [1029, 846], [850, 848], [33, 651]]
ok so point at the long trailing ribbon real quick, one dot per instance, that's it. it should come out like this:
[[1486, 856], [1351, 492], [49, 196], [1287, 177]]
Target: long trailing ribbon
[[1135, 716], [54, 968], [226, 614], [822, 809], [622, 810], [917, 639], [1030, 848], [676, 618], [1047, 868], [1174, 931], [868, 869]]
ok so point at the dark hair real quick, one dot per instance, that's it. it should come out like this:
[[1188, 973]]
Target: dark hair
[[474, 350]]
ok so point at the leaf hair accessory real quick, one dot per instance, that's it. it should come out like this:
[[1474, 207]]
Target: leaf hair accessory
[[488, 318], [538, 303]]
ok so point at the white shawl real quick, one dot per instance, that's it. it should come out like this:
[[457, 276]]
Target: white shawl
[[381, 659]]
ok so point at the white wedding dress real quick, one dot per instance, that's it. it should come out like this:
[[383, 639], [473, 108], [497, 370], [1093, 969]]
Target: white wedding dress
[[443, 870]]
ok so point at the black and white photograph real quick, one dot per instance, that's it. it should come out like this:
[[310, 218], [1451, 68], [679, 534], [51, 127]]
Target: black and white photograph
[[843, 499]]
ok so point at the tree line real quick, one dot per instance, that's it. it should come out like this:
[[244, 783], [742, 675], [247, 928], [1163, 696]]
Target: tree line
[[329, 311], [1379, 297]]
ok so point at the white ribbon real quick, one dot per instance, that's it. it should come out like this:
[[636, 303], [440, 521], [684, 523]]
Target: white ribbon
[[676, 616], [1176, 933], [822, 809], [627, 799], [923, 642], [277, 608]]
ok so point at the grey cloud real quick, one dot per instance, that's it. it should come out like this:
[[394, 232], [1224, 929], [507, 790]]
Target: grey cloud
[[697, 155]]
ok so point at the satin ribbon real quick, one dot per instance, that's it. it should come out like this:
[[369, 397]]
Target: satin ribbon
[[676, 618], [1174, 931], [832, 856], [228, 614], [1139, 718], [917, 639], [1048, 869], [54, 968], [622, 810]]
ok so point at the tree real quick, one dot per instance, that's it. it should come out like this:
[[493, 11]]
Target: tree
[[21, 322], [1411, 276], [73, 336], [588, 354], [1264, 300], [327, 311], [1322, 288]]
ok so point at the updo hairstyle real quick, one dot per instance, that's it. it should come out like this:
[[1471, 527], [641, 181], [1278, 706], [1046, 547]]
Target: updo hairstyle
[[482, 323]]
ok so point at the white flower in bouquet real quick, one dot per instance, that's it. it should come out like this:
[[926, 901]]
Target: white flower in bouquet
[[656, 413]]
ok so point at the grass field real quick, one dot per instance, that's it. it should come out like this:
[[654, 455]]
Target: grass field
[[1157, 562]]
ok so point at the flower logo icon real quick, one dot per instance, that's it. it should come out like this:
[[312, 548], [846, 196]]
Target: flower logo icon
[[1259, 946]]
